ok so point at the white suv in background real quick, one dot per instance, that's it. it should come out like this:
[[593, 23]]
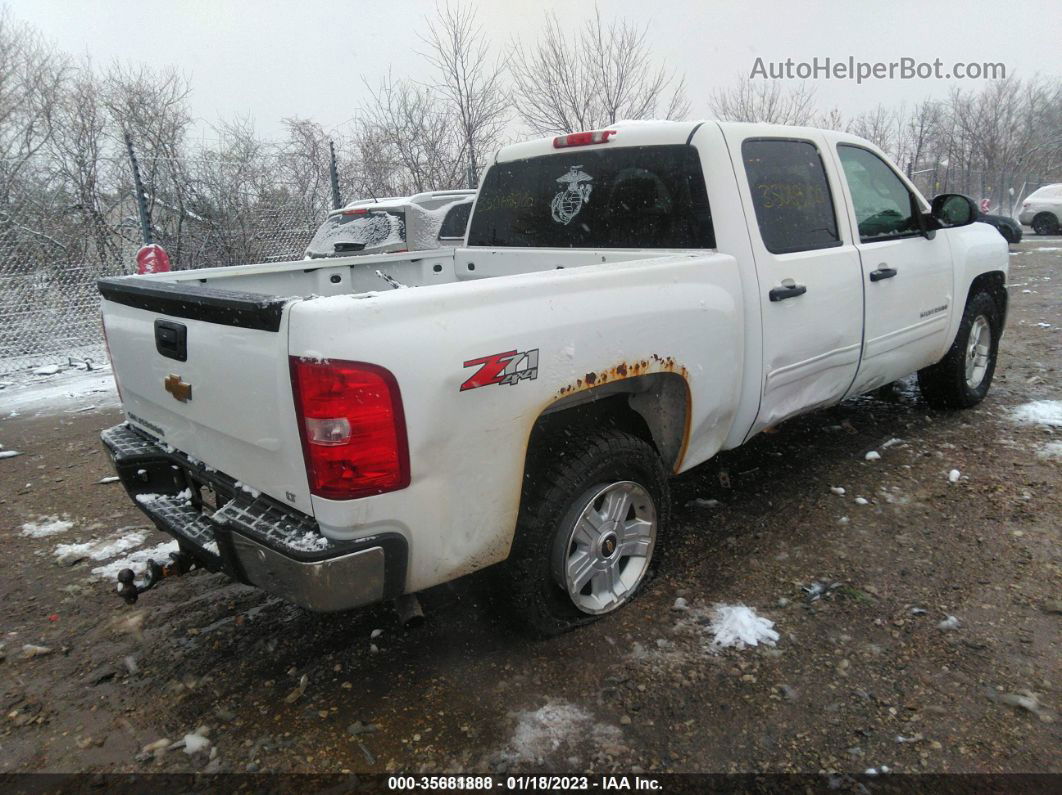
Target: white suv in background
[[1042, 209], [435, 219]]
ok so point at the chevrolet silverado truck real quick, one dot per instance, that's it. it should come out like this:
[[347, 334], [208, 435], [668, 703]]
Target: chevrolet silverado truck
[[627, 303]]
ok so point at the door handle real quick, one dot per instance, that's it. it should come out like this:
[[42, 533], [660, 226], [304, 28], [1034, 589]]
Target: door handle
[[882, 272], [787, 291]]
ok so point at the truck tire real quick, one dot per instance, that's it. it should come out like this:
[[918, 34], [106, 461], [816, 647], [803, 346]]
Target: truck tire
[[587, 501], [1045, 224], [962, 378]]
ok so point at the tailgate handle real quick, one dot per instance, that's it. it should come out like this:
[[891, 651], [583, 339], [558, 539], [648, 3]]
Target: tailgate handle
[[171, 340]]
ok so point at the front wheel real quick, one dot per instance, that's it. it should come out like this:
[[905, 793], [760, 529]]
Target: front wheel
[[1045, 224], [962, 378], [592, 512]]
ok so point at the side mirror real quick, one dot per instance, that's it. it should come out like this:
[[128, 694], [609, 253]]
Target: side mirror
[[953, 209]]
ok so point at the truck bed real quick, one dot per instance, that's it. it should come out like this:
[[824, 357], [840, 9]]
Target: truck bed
[[358, 275]]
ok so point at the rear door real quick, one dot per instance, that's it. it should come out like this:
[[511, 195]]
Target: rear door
[[907, 278], [206, 371], [811, 294]]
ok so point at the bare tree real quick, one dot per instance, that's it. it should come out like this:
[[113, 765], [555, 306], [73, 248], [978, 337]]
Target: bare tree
[[881, 126], [31, 79], [409, 140], [152, 106], [80, 159], [472, 83], [598, 76], [303, 167], [766, 101]]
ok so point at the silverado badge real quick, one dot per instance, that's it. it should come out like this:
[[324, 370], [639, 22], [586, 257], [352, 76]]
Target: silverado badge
[[178, 388]]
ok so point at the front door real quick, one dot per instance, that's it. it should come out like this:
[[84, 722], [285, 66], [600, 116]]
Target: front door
[[811, 291], [908, 279]]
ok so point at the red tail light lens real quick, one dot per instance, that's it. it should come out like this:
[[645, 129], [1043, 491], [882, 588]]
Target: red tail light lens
[[582, 138], [352, 427]]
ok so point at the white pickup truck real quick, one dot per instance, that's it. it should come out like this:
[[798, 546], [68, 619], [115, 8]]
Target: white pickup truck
[[628, 303]]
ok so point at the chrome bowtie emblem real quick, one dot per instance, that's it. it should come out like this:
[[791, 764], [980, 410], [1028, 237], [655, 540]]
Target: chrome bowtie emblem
[[178, 388]]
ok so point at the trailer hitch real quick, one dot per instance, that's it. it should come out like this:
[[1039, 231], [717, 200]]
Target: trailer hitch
[[129, 590]]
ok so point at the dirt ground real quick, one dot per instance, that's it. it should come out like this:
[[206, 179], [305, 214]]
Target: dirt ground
[[863, 676]]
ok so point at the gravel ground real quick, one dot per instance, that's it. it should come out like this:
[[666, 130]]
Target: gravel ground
[[929, 644]]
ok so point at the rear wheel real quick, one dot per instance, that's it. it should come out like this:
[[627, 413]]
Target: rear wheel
[[593, 510], [963, 377], [1045, 224]]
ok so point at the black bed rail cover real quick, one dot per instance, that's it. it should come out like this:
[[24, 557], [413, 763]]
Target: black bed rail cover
[[196, 302]]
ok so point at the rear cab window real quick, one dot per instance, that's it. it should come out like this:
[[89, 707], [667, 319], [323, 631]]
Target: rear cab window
[[616, 197], [791, 195], [456, 221], [357, 229]]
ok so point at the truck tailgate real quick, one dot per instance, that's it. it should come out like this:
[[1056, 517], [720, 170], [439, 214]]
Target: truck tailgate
[[206, 372]]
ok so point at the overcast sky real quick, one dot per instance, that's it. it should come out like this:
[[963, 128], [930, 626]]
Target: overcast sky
[[277, 58]]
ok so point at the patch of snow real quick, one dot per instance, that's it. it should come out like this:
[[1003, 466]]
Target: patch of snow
[[703, 503], [100, 548], [193, 743], [9, 453], [838, 490], [1039, 412], [954, 475], [862, 501], [137, 560], [558, 724], [255, 493], [182, 496], [70, 388], [949, 623], [1052, 451], [738, 626], [873, 455], [212, 546], [108, 479], [893, 441], [46, 526], [48, 369], [307, 542]]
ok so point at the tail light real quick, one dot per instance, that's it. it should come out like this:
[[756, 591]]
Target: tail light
[[352, 427], [582, 138], [356, 211]]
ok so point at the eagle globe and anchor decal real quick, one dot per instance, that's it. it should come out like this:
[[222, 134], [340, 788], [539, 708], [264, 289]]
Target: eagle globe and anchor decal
[[571, 198]]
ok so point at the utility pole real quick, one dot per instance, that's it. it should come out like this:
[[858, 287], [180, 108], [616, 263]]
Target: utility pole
[[333, 174], [141, 202]]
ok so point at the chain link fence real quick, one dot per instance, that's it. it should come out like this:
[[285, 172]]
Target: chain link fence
[[49, 304]]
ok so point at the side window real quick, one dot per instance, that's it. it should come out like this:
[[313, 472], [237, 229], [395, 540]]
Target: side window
[[794, 208], [884, 207], [453, 226]]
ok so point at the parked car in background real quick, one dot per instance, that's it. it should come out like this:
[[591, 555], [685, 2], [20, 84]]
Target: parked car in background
[[1042, 209], [435, 219], [1005, 225]]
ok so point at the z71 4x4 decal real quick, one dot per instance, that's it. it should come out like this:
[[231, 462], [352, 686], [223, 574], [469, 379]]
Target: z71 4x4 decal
[[510, 367]]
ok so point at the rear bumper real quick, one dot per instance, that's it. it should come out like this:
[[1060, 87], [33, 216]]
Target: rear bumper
[[251, 537]]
